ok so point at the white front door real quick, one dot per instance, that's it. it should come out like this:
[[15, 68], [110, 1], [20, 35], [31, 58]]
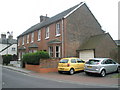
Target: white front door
[[86, 54]]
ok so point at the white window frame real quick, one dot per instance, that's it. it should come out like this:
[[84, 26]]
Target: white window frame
[[39, 35], [13, 49], [58, 29], [28, 38], [32, 37], [50, 51], [57, 52], [47, 33], [23, 40]]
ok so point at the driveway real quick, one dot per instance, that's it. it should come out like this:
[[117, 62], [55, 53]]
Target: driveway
[[82, 78]]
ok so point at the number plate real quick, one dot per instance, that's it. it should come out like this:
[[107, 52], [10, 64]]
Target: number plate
[[61, 68], [89, 66]]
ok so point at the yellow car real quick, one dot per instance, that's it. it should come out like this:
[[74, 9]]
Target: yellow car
[[70, 65]]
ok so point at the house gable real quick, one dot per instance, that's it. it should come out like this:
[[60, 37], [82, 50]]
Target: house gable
[[80, 26]]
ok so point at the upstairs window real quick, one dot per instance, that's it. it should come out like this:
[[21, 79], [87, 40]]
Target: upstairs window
[[58, 29], [32, 37], [23, 40], [39, 35], [27, 38], [47, 33], [13, 48]]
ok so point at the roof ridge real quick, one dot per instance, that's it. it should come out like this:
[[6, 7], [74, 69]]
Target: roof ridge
[[52, 19]]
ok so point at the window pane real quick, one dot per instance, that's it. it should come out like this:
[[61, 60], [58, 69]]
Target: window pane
[[73, 60], [57, 28], [47, 32], [39, 34], [51, 51], [57, 51], [64, 61]]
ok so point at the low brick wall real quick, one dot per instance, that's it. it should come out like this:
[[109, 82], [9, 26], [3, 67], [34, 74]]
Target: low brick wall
[[35, 68], [46, 65]]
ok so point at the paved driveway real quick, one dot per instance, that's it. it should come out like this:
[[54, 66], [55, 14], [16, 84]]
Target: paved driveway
[[82, 78]]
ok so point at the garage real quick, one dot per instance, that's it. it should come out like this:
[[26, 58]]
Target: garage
[[86, 54]]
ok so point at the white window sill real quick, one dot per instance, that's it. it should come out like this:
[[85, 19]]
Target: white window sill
[[32, 42], [58, 35], [39, 40], [47, 38]]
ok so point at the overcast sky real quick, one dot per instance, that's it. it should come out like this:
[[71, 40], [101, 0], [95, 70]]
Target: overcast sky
[[19, 15]]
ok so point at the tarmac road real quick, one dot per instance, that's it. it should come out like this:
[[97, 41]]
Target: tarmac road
[[14, 79]]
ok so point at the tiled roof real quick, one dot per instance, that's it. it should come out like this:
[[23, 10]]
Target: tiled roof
[[33, 45], [22, 48], [51, 20], [55, 41], [8, 41], [93, 42], [117, 42]]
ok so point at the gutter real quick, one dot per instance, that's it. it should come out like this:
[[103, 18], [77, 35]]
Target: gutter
[[62, 37]]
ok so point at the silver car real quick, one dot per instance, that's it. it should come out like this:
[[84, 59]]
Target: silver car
[[101, 66]]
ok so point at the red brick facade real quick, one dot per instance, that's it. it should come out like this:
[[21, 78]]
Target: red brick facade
[[75, 29], [43, 43]]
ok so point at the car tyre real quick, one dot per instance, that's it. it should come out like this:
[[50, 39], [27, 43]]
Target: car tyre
[[60, 72], [103, 73], [117, 71], [87, 73], [71, 72]]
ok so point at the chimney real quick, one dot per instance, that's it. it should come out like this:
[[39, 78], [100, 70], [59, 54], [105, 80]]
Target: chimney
[[3, 36], [43, 18], [10, 37]]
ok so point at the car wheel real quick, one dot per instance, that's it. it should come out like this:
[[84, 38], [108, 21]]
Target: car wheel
[[60, 72], [87, 73], [103, 73], [117, 71], [71, 72]]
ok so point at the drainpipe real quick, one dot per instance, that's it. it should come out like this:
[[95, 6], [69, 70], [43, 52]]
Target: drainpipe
[[62, 37]]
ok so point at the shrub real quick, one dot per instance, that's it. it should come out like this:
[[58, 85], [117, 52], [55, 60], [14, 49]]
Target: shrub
[[34, 58], [6, 59], [14, 57]]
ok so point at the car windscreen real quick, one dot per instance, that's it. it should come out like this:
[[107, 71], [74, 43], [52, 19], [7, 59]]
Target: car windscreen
[[93, 62], [64, 61]]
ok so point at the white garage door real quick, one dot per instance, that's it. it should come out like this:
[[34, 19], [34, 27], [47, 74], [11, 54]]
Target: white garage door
[[86, 54]]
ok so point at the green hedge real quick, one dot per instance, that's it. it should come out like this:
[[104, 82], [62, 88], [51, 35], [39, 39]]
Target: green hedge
[[34, 58], [7, 59]]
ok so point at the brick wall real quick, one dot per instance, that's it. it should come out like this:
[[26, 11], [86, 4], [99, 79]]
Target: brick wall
[[80, 25], [46, 65]]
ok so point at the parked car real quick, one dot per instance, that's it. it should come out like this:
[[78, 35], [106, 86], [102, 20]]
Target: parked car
[[70, 65], [102, 66]]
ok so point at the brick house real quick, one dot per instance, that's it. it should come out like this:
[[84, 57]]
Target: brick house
[[61, 35]]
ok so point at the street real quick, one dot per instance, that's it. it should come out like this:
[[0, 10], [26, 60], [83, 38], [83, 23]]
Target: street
[[14, 79]]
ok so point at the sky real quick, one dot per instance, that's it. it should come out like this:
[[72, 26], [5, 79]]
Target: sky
[[19, 15]]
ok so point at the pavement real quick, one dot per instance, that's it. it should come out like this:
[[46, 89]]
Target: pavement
[[80, 77], [18, 69]]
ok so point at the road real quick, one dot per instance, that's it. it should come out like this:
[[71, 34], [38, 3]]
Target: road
[[14, 79]]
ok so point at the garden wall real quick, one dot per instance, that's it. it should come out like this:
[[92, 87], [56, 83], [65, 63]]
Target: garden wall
[[46, 65]]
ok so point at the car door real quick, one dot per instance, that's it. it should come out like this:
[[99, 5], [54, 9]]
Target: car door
[[113, 65], [109, 65], [106, 66], [74, 64], [80, 64]]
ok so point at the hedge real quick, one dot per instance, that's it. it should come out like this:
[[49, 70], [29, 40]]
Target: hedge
[[34, 58], [6, 59]]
